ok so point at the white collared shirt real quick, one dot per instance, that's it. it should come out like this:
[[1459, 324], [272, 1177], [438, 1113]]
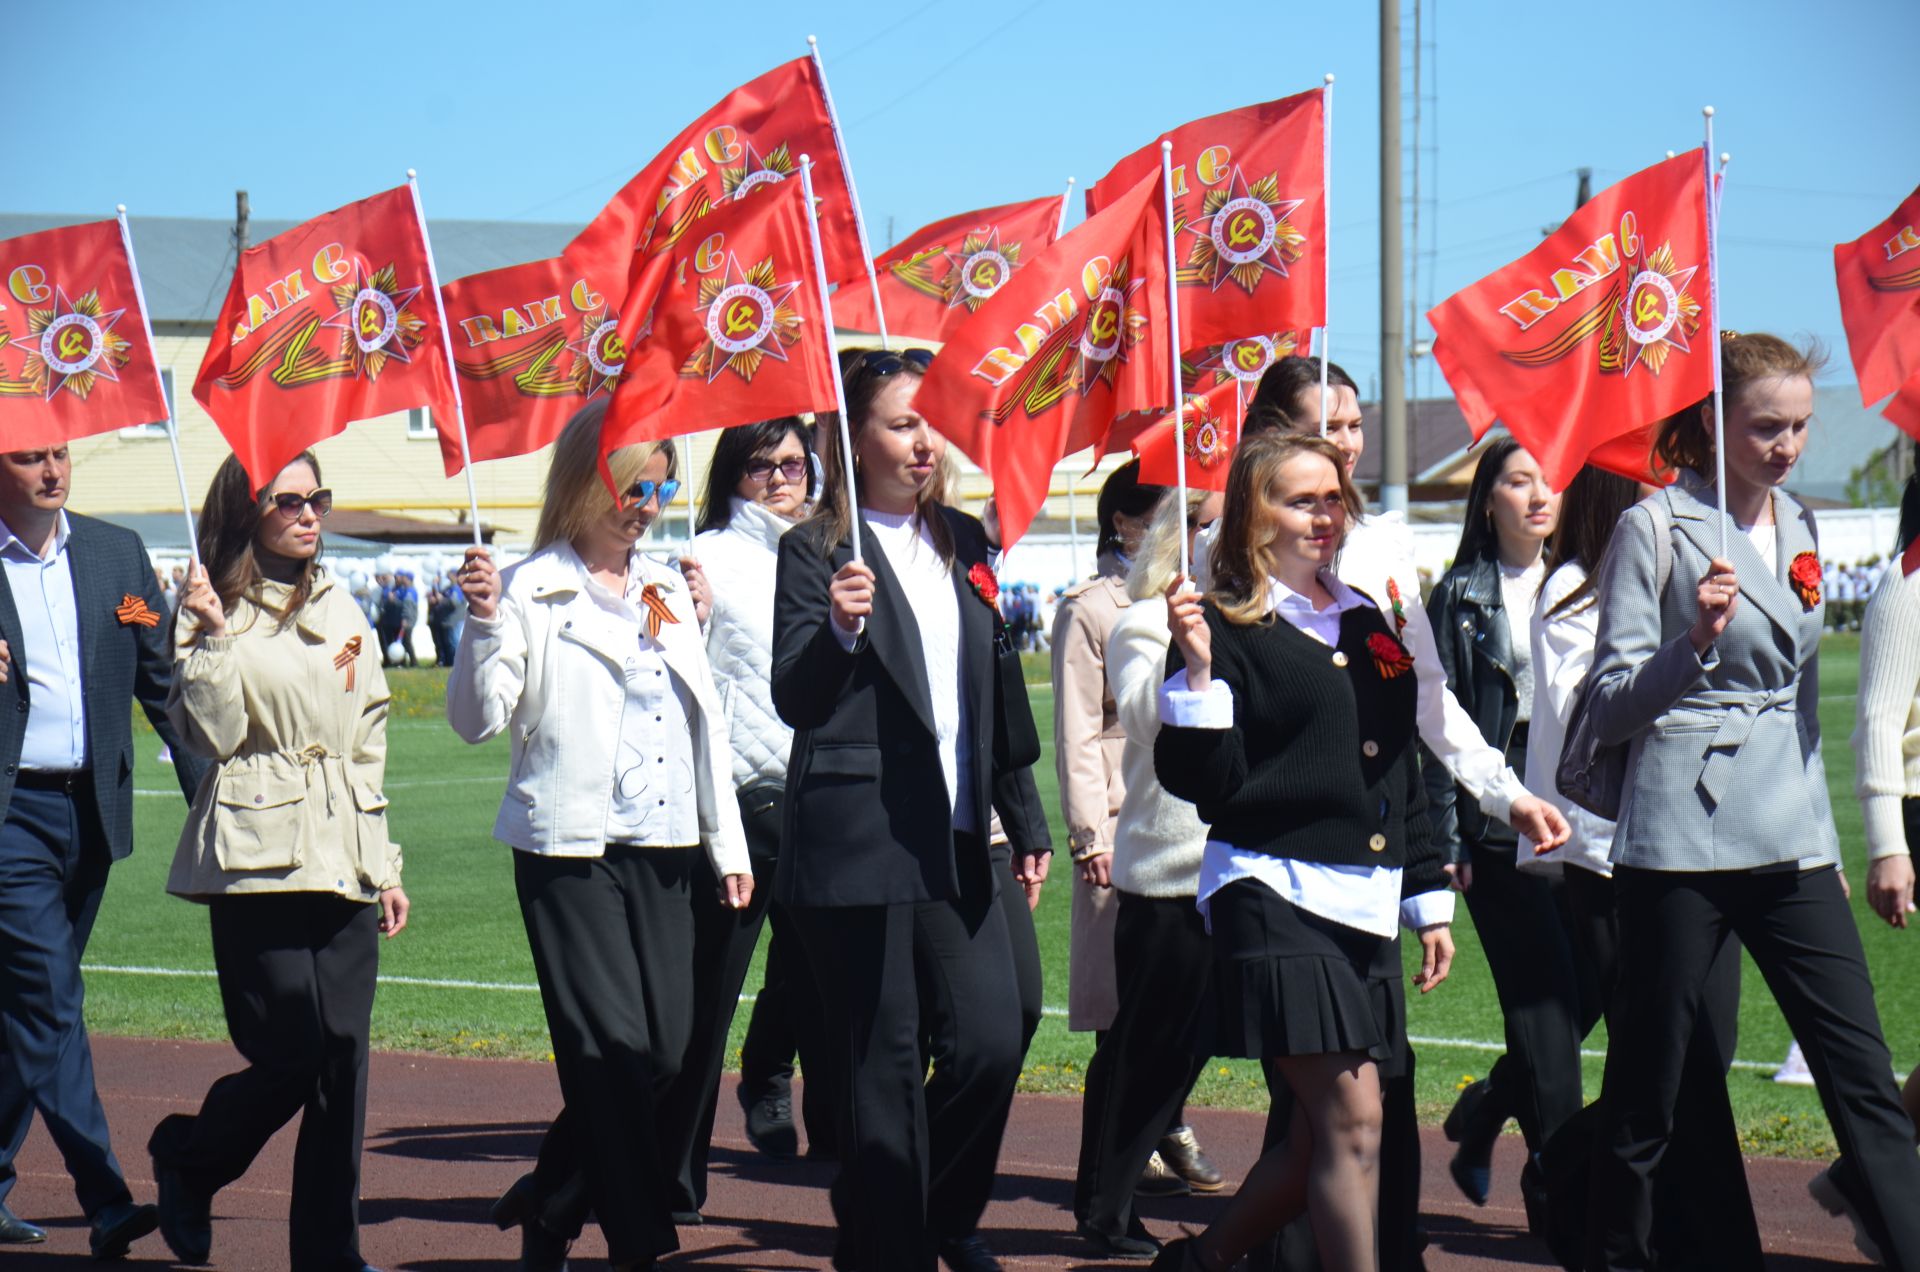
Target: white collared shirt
[[43, 595], [1362, 897]]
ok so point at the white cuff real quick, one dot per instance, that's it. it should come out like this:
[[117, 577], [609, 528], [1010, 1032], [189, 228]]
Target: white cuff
[[1497, 801], [1885, 825], [1183, 708], [849, 640], [1425, 909]]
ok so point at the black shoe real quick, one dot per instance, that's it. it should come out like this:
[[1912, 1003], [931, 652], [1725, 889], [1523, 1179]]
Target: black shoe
[[117, 1227], [1177, 1256], [1138, 1243], [186, 1217], [515, 1206], [688, 1219], [1160, 1179], [541, 1250], [1471, 1124], [17, 1231], [968, 1254], [770, 1124]]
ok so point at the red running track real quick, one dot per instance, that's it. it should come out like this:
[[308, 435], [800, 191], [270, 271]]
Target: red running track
[[446, 1136]]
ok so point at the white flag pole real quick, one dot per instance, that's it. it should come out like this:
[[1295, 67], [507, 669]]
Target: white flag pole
[[1065, 199], [173, 426], [1173, 339], [1326, 256], [859, 221], [833, 363], [1713, 302], [692, 473], [453, 372]]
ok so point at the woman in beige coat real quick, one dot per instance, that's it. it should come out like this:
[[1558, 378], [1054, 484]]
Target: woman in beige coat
[[278, 680]]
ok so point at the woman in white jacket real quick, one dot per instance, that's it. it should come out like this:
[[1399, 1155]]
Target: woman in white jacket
[[590, 657]]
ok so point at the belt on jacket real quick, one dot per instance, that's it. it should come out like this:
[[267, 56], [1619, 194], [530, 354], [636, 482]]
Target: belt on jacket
[[68, 781], [1743, 709]]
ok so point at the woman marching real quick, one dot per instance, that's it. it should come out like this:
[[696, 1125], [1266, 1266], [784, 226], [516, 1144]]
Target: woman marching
[[905, 734], [589, 656], [1288, 720], [287, 846], [1706, 668]]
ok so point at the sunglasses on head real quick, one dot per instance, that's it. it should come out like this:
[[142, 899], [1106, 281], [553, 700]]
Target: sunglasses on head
[[880, 363], [641, 491], [288, 504]]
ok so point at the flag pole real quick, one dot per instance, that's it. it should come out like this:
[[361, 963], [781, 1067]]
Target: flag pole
[[859, 221], [1713, 302], [453, 373], [833, 363], [1065, 199], [692, 475], [1326, 256], [1173, 338], [173, 426]]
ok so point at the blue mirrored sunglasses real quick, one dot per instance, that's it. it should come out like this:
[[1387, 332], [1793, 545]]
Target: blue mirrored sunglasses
[[641, 491]]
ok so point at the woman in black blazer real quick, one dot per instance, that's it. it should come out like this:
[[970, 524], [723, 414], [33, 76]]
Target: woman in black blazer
[[887, 670]]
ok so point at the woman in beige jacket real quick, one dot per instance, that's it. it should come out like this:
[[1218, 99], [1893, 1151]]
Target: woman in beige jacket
[[278, 680]]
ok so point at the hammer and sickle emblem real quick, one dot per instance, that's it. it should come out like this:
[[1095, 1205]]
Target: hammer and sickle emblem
[[742, 317], [984, 274], [371, 321], [1242, 232], [1646, 310], [613, 349], [1248, 356], [73, 344], [1106, 324]]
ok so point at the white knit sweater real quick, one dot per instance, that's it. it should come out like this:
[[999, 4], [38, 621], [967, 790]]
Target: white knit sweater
[[1159, 841], [1886, 736]]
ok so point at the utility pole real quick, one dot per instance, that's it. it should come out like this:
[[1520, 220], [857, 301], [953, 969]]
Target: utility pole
[[240, 216], [1393, 335]]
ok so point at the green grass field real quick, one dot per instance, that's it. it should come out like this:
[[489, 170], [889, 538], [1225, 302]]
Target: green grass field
[[150, 959]]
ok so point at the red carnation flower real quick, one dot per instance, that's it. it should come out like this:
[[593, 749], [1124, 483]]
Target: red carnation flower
[[1390, 657], [1806, 576], [985, 586]]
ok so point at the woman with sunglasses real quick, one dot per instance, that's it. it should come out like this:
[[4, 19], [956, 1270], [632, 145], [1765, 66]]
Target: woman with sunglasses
[[887, 669], [589, 656], [279, 682]]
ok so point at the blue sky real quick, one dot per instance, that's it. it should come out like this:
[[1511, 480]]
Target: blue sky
[[539, 112]]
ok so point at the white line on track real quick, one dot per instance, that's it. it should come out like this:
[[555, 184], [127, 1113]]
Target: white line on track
[[498, 779]]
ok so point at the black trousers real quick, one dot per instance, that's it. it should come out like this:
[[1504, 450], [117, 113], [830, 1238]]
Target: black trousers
[[917, 1151], [1147, 1061], [723, 942], [1800, 931], [612, 938], [1523, 926], [297, 973], [788, 1020], [1024, 940], [53, 870]]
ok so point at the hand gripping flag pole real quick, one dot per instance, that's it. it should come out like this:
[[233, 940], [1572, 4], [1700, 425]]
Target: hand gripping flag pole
[[1326, 255], [1173, 339], [1713, 303], [833, 363], [173, 425], [453, 374], [859, 228]]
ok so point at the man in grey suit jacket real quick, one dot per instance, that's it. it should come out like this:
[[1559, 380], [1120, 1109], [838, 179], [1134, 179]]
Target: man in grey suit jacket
[[83, 635]]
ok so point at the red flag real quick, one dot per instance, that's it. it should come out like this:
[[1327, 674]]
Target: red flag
[[74, 354], [533, 344], [1904, 408], [1043, 368], [1879, 278], [1250, 216], [1206, 368], [725, 329], [1213, 420], [750, 140], [330, 322], [1596, 333], [941, 274]]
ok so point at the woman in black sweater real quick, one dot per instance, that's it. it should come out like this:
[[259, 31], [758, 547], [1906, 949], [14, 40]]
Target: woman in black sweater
[[1288, 720]]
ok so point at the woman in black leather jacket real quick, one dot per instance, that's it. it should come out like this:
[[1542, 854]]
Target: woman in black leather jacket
[[1481, 612]]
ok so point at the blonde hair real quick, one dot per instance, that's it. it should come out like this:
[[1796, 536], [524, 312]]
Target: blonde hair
[[1685, 438], [1158, 557], [1243, 557], [576, 495]]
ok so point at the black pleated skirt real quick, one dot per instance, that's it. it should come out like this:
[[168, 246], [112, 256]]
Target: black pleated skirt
[[1290, 983]]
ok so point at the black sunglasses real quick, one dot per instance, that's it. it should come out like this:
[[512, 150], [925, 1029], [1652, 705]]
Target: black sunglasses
[[641, 491], [288, 504], [880, 363], [761, 470]]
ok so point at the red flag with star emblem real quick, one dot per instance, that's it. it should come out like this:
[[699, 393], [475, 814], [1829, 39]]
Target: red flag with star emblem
[[1046, 365], [533, 344], [1879, 278], [751, 139], [1213, 420], [74, 354], [941, 274], [1250, 216], [1204, 369], [330, 322], [1903, 408], [726, 328], [1595, 334]]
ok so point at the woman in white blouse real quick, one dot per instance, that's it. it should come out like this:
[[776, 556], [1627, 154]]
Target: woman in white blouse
[[590, 657]]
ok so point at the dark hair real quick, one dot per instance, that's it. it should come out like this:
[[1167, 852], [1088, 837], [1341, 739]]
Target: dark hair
[[1685, 438], [739, 446], [863, 384], [1123, 494], [1276, 403], [1589, 510], [1478, 538], [229, 529], [1910, 509]]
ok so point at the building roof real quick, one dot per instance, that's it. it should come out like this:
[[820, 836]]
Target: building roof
[[186, 262]]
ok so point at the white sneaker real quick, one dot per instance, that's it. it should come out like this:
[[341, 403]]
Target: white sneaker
[[166, 753], [1793, 1070]]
